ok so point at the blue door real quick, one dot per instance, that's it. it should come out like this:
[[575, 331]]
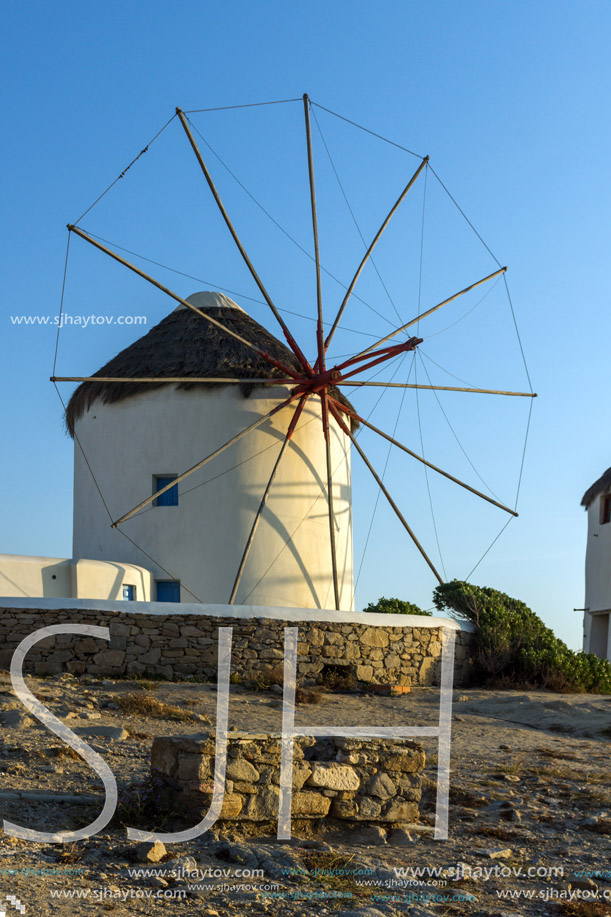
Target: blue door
[[168, 590]]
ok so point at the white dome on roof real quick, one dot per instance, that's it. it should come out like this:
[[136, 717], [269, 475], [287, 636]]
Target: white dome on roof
[[209, 299]]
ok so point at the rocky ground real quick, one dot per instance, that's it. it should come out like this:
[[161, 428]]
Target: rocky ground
[[530, 810]]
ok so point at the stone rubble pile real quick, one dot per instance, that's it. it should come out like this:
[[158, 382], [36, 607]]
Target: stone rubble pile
[[364, 780]]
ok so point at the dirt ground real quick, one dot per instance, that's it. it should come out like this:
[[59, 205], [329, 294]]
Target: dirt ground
[[530, 810]]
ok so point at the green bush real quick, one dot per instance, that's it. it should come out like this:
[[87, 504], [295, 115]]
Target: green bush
[[513, 647], [395, 607]]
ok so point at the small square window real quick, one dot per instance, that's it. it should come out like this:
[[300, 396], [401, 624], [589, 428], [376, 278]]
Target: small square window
[[170, 497], [168, 590], [129, 593], [605, 509]]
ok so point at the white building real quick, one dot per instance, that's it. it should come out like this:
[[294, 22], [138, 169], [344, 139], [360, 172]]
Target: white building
[[133, 438], [597, 632]]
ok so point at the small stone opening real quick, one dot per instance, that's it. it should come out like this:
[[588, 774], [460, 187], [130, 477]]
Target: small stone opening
[[338, 676]]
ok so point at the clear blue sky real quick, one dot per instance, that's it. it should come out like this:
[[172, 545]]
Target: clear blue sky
[[510, 101]]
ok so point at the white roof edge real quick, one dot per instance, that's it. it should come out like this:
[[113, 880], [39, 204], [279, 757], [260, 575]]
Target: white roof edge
[[307, 615]]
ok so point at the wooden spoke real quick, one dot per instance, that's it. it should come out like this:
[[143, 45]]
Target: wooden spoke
[[446, 474], [289, 337], [438, 388], [320, 364], [185, 474], [202, 313], [324, 398], [434, 309], [371, 248], [380, 483], [287, 439], [219, 379]]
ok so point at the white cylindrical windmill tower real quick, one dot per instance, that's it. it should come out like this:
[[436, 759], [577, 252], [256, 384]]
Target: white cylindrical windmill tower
[[139, 436]]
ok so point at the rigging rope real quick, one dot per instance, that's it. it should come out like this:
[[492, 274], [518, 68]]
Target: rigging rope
[[468, 312], [530, 410], [447, 371], [492, 544], [367, 131], [281, 228], [194, 111], [464, 215], [218, 287], [426, 476], [354, 220], [515, 323], [61, 304], [126, 169], [421, 260], [426, 470], [377, 500], [456, 437]]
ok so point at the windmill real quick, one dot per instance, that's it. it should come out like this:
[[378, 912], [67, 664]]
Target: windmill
[[298, 383]]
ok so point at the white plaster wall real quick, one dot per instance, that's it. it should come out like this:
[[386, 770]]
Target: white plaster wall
[[200, 542], [105, 580], [57, 577], [598, 578], [24, 575]]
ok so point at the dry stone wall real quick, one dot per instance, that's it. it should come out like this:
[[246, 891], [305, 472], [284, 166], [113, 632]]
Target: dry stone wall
[[171, 644], [373, 781]]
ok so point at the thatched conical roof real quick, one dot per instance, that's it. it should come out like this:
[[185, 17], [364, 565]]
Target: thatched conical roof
[[602, 486], [185, 344]]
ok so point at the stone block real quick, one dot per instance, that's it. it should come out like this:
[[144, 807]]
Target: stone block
[[333, 776], [381, 785], [364, 672], [310, 805], [375, 636], [263, 806], [241, 769]]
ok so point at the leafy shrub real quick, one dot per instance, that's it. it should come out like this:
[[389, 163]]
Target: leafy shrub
[[395, 607], [513, 647]]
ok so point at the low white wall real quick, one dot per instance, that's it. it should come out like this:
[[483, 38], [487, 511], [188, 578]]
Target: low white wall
[[23, 576]]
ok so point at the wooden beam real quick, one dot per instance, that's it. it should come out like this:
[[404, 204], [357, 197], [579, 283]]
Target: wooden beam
[[399, 445], [380, 483], [438, 388], [202, 313], [289, 337], [320, 365], [371, 248], [185, 474], [433, 309]]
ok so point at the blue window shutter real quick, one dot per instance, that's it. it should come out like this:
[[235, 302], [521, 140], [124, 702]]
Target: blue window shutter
[[129, 593], [168, 590], [170, 497]]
